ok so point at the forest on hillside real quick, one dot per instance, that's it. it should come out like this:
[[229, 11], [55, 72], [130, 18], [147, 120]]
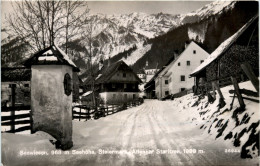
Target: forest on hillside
[[219, 28]]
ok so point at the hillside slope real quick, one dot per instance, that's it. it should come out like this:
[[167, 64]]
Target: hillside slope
[[237, 127], [209, 32]]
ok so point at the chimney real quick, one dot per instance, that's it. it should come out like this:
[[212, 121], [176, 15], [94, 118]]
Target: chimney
[[100, 65], [186, 44], [175, 54], [108, 61]]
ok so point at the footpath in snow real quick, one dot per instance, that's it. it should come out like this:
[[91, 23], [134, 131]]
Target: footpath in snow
[[179, 132]]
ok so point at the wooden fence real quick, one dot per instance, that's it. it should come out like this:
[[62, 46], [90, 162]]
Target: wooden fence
[[16, 118], [84, 112]]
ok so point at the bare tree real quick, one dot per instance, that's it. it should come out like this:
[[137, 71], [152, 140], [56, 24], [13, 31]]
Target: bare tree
[[74, 21], [88, 37], [41, 22]]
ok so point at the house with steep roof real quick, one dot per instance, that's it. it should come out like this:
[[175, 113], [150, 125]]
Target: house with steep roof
[[114, 84], [174, 77], [226, 60]]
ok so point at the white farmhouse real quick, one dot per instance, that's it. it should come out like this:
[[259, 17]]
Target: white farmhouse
[[174, 78]]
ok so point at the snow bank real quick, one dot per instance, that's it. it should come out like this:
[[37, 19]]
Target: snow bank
[[240, 128]]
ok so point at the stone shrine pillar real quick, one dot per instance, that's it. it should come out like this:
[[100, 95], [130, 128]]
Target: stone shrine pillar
[[51, 94]]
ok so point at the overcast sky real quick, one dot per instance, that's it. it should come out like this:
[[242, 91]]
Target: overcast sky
[[126, 7]]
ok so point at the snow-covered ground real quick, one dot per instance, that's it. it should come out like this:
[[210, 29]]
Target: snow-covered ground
[[232, 125], [154, 133], [137, 54]]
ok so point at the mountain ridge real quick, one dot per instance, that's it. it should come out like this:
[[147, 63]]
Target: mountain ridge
[[165, 33]]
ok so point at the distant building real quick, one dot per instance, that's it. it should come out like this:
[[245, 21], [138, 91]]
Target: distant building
[[114, 84], [225, 61], [142, 75], [149, 88], [174, 78], [150, 71], [146, 74]]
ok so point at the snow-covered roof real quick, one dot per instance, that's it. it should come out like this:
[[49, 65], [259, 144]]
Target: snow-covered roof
[[87, 93], [173, 61], [222, 48], [98, 76], [149, 77], [107, 71], [47, 58], [165, 68], [65, 56], [51, 55]]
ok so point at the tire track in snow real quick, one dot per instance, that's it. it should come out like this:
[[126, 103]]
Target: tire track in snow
[[127, 128], [202, 159], [123, 127], [118, 143], [145, 127], [171, 144], [142, 138], [138, 113], [164, 159], [199, 157], [162, 132]]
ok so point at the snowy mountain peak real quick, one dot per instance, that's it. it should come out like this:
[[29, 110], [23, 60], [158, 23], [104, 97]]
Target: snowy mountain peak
[[208, 10]]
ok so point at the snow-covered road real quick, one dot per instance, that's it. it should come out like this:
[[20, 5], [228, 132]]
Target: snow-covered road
[[155, 125], [154, 133]]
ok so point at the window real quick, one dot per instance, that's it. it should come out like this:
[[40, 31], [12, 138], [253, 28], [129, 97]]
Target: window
[[133, 96], [179, 64], [201, 61], [67, 84], [166, 82], [113, 85], [124, 74], [182, 78], [133, 86], [182, 89], [194, 51], [166, 93], [125, 86], [26, 85], [188, 63], [125, 96]]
